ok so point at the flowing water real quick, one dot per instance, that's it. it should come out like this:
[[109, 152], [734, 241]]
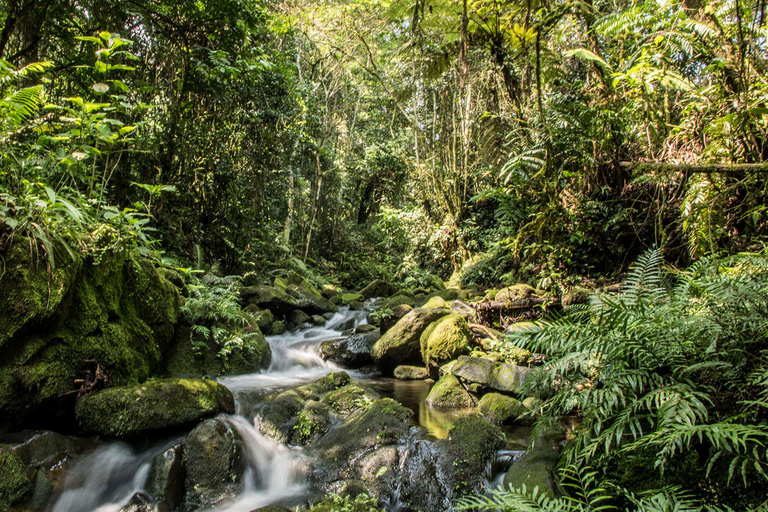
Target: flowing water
[[107, 479]]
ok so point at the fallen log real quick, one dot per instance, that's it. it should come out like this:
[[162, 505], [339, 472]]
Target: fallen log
[[503, 305]]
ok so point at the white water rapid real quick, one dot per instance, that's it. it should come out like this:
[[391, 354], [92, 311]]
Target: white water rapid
[[107, 479]]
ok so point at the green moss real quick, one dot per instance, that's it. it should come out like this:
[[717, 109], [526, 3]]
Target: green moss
[[154, 406], [314, 420], [338, 503], [350, 398], [119, 312], [398, 300], [473, 440], [448, 392], [535, 469], [444, 340], [436, 302], [13, 481], [346, 298], [498, 408], [516, 292]]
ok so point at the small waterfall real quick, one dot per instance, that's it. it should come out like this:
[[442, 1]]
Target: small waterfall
[[295, 357], [105, 480], [274, 473]]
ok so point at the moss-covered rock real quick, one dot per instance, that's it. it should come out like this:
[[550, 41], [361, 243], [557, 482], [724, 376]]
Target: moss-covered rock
[[308, 298], [278, 328], [152, 407], [278, 417], [338, 502], [261, 317], [516, 292], [269, 297], [501, 409], [509, 378], [118, 311], [536, 468], [384, 422], [13, 481], [436, 302], [444, 340], [401, 344], [448, 392], [298, 317], [214, 464], [436, 474], [398, 300], [404, 372], [389, 317], [313, 421], [350, 398], [346, 298], [377, 288]]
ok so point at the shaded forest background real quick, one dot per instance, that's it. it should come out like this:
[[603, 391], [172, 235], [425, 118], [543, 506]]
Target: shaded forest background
[[489, 141]]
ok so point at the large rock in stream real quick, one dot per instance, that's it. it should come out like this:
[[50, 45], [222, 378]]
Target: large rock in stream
[[153, 407], [401, 344], [351, 352], [491, 374], [214, 464]]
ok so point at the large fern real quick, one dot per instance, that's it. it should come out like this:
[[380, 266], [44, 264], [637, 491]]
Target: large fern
[[660, 372]]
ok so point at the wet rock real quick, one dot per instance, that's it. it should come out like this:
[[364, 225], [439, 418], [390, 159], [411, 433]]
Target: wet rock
[[318, 320], [166, 479], [352, 352], [401, 344], [356, 305], [436, 474], [536, 468], [278, 417], [329, 291], [271, 508], [214, 462], [139, 502], [343, 452], [404, 372], [473, 369], [152, 407], [444, 340], [313, 421], [448, 392], [399, 300], [509, 377], [501, 409], [328, 315], [377, 288], [364, 328], [388, 320], [517, 292]]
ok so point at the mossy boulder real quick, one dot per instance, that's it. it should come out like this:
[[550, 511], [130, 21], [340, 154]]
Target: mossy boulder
[[269, 297], [399, 300], [153, 407], [390, 317], [13, 481], [436, 475], [444, 340], [350, 398], [404, 372], [436, 302], [313, 421], [298, 317], [508, 378], [278, 328], [117, 311], [377, 288], [448, 392], [401, 344], [536, 468], [263, 318], [278, 417], [383, 423], [308, 298], [346, 298], [214, 464], [501, 409]]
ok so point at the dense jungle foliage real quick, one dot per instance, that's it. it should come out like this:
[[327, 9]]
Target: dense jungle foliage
[[489, 142]]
